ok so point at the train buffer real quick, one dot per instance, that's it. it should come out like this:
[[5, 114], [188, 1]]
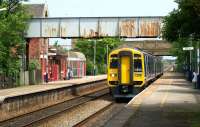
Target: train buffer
[[170, 101]]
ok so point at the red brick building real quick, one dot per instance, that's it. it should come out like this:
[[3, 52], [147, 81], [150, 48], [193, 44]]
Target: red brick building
[[57, 61], [52, 62], [37, 48]]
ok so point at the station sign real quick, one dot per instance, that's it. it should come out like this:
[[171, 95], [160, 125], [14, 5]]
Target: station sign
[[51, 54], [188, 48]]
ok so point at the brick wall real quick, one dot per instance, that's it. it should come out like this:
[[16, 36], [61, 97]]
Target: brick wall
[[34, 48], [37, 48]]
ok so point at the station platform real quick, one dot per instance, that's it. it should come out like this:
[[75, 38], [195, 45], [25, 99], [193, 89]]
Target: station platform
[[170, 101], [22, 100], [11, 92]]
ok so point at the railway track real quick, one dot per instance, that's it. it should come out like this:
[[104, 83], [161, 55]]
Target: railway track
[[79, 115], [93, 116], [34, 117], [39, 116]]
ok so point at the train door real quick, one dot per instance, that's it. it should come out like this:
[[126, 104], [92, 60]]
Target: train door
[[125, 68]]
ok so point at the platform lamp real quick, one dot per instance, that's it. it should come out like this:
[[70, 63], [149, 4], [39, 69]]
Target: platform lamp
[[94, 56], [68, 47]]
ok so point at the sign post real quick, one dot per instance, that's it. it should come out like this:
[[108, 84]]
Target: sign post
[[198, 60], [189, 49]]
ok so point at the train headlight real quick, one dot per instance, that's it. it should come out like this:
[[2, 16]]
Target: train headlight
[[138, 75], [113, 75]]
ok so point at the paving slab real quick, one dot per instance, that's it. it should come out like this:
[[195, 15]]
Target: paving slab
[[11, 92], [169, 102]]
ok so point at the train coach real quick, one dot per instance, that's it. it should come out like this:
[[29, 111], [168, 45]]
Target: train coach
[[130, 70]]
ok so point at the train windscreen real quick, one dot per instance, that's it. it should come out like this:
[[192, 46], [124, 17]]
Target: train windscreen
[[137, 65], [114, 63]]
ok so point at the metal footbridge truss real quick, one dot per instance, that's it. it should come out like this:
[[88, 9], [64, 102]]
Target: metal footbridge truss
[[92, 27]]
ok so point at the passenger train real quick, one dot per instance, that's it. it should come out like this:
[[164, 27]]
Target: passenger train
[[131, 70]]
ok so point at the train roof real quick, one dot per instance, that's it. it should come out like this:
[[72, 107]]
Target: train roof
[[120, 49], [132, 49]]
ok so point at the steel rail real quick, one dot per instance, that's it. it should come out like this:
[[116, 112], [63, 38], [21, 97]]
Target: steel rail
[[81, 123], [84, 98]]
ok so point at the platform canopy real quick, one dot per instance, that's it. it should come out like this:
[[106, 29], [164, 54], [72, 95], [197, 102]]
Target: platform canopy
[[76, 56], [92, 27]]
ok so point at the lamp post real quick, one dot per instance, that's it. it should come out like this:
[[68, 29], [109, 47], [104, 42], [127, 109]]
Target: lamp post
[[94, 57], [198, 55], [191, 52], [68, 59], [68, 47], [47, 59], [107, 56]]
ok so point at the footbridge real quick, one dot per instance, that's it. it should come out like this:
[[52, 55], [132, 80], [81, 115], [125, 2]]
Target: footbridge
[[155, 47], [97, 27]]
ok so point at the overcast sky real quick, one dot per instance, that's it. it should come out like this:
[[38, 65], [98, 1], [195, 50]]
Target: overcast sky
[[98, 8]]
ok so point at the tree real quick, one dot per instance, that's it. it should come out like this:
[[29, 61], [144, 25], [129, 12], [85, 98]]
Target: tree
[[13, 23], [181, 27], [87, 47], [183, 22]]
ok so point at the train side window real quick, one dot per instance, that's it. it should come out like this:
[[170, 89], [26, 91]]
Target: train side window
[[137, 65], [145, 64], [114, 63]]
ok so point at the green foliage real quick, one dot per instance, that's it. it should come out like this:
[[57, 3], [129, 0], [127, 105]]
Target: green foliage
[[170, 28], [13, 23], [87, 47], [181, 26], [34, 64], [59, 48], [90, 66], [177, 51], [193, 118], [184, 21]]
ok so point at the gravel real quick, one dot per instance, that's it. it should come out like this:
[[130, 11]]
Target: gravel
[[75, 115]]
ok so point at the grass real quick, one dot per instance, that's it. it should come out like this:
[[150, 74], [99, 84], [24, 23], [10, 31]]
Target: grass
[[194, 119], [191, 118]]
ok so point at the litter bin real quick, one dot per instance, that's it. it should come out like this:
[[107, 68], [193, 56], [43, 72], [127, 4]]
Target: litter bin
[[198, 82], [46, 77], [190, 76]]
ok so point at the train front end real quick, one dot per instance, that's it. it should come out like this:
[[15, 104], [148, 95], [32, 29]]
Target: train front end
[[125, 72]]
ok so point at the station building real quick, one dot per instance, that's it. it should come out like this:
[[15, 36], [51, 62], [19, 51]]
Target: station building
[[53, 61], [59, 61]]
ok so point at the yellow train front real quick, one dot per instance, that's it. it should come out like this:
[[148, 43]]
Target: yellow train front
[[131, 70]]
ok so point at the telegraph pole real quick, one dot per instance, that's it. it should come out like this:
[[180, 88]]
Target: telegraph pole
[[198, 59], [107, 54], [191, 53], [94, 57]]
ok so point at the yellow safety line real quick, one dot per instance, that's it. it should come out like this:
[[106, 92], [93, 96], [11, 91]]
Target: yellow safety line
[[138, 99], [165, 97]]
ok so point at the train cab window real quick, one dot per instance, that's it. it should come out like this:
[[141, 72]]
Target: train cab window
[[114, 63], [137, 56], [137, 65]]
